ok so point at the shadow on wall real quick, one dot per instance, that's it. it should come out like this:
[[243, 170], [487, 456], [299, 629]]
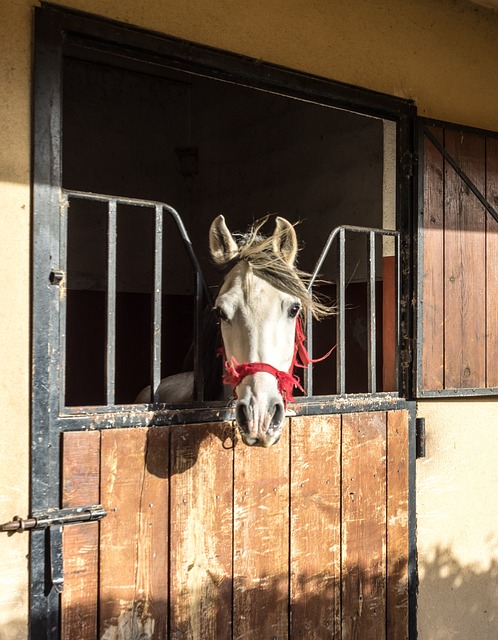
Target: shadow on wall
[[457, 602]]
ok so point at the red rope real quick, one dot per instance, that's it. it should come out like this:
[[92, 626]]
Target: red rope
[[286, 381]]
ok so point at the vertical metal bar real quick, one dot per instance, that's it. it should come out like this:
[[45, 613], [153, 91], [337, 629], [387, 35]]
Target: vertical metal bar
[[45, 437], [157, 304], [63, 226], [111, 302], [371, 317], [397, 337], [198, 339], [308, 371], [341, 303], [56, 558]]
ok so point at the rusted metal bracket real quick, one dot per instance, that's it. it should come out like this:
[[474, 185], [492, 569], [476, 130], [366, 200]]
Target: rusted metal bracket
[[54, 521]]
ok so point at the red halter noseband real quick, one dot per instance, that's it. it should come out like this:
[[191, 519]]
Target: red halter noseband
[[286, 381]]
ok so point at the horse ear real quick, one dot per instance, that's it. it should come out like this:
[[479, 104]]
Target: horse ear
[[285, 240], [221, 243]]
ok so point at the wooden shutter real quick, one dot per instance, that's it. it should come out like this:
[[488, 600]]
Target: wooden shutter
[[457, 327]]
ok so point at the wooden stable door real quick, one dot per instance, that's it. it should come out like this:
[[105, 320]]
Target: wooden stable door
[[206, 538]]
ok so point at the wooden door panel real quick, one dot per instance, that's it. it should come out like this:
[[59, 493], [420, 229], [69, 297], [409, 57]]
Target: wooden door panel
[[364, 525], [397, 530], [134, 535], [458, 309], [80, 487], [261, 540], [465, 266], [201, 532], [315, 527], [206, 538], [491, 262], [433, 261]]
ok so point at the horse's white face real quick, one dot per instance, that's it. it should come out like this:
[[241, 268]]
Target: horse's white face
[[258, 324]]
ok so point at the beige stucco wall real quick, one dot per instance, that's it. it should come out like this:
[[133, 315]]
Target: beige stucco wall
[[441, 53], [457, 485]]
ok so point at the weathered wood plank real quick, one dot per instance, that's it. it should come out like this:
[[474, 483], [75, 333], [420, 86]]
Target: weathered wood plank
[[134, 536], [261, 541], [364, 526], [491, 262], [201, 532], [397, 525], [315, 527], [80, 487], [465, 265], [433, 267]]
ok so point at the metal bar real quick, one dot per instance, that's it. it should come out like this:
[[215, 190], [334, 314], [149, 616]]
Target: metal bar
[[45, 439], [61, 281], [397, 337], [341, 328], [76, 515], [111, 302], [334, 233], [198, 341], [157, 304], [100, 197], [482, 199], [371, 316], [308, 371], [56, 558]]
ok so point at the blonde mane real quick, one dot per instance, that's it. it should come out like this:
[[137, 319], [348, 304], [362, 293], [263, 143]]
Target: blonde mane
[[258, 252]]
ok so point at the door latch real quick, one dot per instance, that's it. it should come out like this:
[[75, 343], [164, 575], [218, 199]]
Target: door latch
[[77, 515], [54, 521]]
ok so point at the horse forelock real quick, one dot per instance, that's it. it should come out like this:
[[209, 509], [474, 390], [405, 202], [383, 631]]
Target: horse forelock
[[257, 251]]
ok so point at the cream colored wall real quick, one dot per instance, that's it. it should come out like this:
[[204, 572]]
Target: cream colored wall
[[15, 70], [457, 488], [441, 53]]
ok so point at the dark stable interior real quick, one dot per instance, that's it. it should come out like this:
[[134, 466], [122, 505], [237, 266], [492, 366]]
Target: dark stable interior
[[204, 147]]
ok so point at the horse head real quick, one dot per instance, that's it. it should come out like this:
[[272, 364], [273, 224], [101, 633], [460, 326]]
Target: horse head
[[258, 304]]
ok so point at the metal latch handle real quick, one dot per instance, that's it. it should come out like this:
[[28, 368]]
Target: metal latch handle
[[54, 521], [76, 515]]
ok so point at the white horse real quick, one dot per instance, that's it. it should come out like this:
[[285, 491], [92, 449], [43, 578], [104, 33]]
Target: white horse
[[257, 305]]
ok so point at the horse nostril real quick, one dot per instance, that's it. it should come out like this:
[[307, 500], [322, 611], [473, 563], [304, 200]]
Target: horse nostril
[[242, 413], [277, 414]]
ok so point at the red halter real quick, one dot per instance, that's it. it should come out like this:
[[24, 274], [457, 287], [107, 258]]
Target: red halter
[[286, 381]]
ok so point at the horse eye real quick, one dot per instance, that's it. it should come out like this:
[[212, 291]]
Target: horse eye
[[221, 314], [294, 310]]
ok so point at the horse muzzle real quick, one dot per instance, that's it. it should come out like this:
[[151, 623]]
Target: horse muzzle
[[260, 423]]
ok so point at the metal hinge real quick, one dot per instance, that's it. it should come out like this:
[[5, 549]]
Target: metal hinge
[[408, 163], [54, 521], [420, 437]]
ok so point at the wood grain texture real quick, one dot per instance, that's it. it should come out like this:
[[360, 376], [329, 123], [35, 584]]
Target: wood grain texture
[[315, 527], [80, 487], [255, 548], [201, 532], [261, 541], [465, 265], [364, 526], [491, 264], [134, 536], [433, 267], [397, 529]]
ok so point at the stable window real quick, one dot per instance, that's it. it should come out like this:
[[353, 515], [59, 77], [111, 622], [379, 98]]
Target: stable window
[[206, 146]]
